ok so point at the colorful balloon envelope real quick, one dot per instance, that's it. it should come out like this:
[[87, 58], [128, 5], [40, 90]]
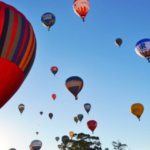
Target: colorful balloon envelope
[[35, 145], [59, 146], [74, 85], [41, 112], [92, 124], [54, 96], [17, 50], [81, 8], [76, 119], [57, 138], [87, 107], [21, 108], [118, 42], [54, 70], [142, 48], [48, 20], [80, 117], [137, 110], [71, 133], [50, 115]]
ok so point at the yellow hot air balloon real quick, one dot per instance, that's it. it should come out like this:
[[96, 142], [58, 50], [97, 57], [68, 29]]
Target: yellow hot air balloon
[[76, 119], [71, 134], [137, 110]]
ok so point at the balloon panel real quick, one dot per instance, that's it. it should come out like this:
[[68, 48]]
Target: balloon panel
[[17, 50]]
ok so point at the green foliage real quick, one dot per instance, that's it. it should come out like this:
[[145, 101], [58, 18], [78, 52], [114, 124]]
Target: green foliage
[[82, 141], [119, 146]]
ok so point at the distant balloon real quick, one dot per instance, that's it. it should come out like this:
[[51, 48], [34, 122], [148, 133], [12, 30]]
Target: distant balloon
[[81, 8], [54, 70], [59, 146], [142, 48], [37, 133], [57, 138], [17, 50], [12, 149], [106, 148], [54, 96], [35, 145], [76, 119], [118, 41], [80, 117], [65, 139], [74, 85], [137, 110], [71, 133], [21, 108], [48, 20], [87, 107], [92, 124], [50, 115], [41, 112]]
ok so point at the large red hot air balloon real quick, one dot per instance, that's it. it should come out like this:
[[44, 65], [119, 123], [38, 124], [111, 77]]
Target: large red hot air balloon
[[17, 50], [54, 96], [54, 70], [92, 124]]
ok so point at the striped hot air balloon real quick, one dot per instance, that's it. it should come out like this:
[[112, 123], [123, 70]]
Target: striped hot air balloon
[[74, 85], [54, 70], [35, 145], [17, 50]]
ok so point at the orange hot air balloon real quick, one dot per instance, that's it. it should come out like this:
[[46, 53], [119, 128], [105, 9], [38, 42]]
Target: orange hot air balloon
[[54, 96], [17, 50], [81, 8]]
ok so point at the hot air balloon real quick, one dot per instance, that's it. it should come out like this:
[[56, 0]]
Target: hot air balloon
[[21, 108], [106, 148], [41, 112], [57, 138], [142, 48], [59, 146], [76, 119], [35, 145], [37, 133], [65, 139], [87, 107], [12, 149], [81, 8], [118, 42], [137, 110], [71, 133], [74, 85], [48, 20], [17, 50], [50, 115], [80, 117], [54, 96], [92, 124], [54, 70]]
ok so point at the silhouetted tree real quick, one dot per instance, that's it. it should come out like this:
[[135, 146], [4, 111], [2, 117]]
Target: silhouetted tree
[[119, 146]]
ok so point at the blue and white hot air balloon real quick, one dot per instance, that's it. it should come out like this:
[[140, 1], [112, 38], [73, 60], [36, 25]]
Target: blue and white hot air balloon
[[74, 85], [142, 48], [48, 20], [65, 139], [87, 107], [35, 145]]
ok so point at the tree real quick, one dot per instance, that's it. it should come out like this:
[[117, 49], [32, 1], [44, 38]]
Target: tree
[[119, 146], [82, 142]]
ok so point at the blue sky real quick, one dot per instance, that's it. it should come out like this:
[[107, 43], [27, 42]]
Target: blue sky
[[114, 78]]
